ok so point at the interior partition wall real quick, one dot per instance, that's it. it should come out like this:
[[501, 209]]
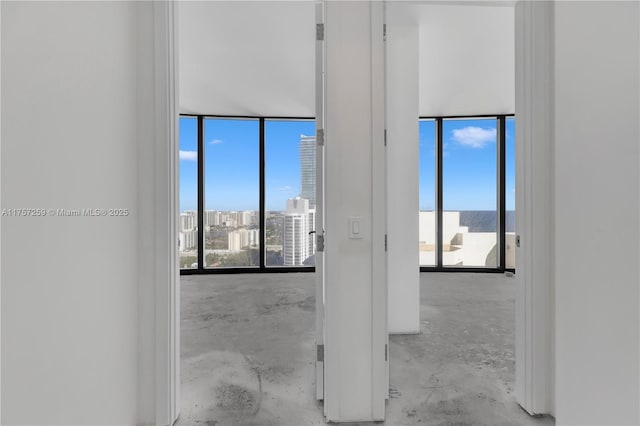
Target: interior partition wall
[[467, 193], [247, 194]]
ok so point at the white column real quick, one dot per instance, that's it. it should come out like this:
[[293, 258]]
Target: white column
[[355, 268], [402, 170]]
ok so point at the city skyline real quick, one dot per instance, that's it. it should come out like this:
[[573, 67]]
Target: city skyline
[[232, 164]]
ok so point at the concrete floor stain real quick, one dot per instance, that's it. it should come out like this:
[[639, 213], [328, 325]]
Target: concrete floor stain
[[235, 398]]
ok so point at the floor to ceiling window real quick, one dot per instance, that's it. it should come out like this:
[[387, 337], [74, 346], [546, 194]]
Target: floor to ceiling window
[[247, 194], [427, 190], [510, 193], [290, 191], [188, 226], [467, 193], [231, 192]]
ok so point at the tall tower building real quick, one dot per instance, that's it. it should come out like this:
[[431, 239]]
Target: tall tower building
[[212, 218], [299, 220], [188, 240], [241, 238], [188, 220], [308, 169]]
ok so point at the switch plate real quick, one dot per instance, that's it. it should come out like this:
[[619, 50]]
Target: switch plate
[[355, 227]]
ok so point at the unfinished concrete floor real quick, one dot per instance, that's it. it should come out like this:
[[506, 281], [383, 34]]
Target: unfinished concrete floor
[[248, 351]]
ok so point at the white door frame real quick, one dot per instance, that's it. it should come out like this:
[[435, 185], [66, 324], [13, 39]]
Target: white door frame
[[534, 301], [319, 225], [534, 206], [166, 181]]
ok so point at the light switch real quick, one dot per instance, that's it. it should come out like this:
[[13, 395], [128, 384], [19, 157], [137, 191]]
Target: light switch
[[355, 227]]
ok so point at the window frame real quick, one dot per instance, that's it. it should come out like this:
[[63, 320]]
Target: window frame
[[500, 188], [262, 267]]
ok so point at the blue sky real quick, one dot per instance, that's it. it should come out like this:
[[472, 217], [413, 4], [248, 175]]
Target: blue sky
[[469, 165], [232, 163]]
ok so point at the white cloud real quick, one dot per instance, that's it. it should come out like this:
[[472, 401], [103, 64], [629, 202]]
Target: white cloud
[[286, 188], [474, 137], [188, 155], [215, 142]]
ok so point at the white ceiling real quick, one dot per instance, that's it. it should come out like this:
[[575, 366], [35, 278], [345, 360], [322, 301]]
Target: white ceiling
[[466, 60], [258, 57], [247, 58]]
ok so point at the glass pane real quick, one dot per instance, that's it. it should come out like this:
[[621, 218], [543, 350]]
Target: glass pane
[[188, 225], [510, 193], [231, 192], [290, 188], [427, 189], [469, 193]]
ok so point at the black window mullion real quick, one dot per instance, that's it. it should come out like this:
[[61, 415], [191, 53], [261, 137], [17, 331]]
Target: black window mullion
[[262, 215], [439, 225], [201, 192], [502, 213]]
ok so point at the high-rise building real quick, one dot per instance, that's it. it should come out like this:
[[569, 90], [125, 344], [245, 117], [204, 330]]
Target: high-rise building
[[244, 218], [299, 220], [212, 218], [229, 219], [308, 169], [188, 239], [255, 218], [188, 220], [243, 238], [311, 221]]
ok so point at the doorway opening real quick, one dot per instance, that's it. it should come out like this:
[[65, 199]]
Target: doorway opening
[[248, 212], [247, 37]]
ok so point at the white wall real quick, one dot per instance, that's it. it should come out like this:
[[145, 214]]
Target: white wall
[[69, 284], [401, 62], [597, 54]]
